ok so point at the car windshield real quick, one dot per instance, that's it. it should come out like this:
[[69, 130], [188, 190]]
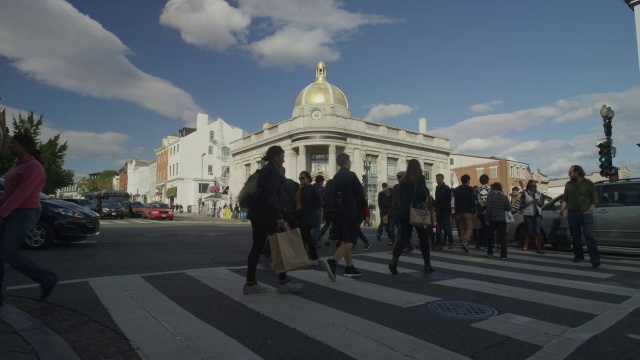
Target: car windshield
[[85, 202], [110, 203], [160, 206], [137, 205]]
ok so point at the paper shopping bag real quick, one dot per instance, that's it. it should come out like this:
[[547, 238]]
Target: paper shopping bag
[[287, 251]]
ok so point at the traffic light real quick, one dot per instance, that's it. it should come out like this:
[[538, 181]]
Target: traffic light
[[605, 158]]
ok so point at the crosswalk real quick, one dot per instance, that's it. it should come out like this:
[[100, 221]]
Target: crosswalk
[[158, 313], [138, 221]]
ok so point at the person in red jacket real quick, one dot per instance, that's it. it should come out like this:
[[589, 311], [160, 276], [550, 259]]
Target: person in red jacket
[[20, 210]]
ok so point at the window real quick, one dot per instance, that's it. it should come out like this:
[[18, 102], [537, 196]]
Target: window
[[210, 150], [622, 194], [392, 168], [511, 171], [177, 169], [479, 172], [225, 171], [247, 171], [210, 169], [451, 161], [319, 162], [226, 151], [212, 135], [493, 172], [427, 171], [178, 148]]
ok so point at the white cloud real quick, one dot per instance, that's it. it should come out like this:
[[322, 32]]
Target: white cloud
[[485, 107], [557, 148], [82, 57], [380, 112], [288, 33]]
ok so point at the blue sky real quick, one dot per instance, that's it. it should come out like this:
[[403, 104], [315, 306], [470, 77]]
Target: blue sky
[[519, 79]]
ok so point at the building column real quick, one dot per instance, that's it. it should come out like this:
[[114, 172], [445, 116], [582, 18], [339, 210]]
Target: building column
[[290, 163], [332, 160], [356, 163], [382, 170], [302, 159]]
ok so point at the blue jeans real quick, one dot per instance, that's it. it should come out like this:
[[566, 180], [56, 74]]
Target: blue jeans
[[581, 223], [533, 224], [444, 225], [13, 230]]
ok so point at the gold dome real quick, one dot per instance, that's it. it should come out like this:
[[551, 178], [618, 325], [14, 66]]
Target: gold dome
[[321, 91]]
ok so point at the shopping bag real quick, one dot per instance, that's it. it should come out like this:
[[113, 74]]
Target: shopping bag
[[508, 217], [385, 219], [287, 251]]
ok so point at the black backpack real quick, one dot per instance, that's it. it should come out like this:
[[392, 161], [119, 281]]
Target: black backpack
[[332, 197]]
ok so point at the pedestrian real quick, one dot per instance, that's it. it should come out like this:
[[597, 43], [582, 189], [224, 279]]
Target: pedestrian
[[346, 218], [465, 210], [327, 214], [444, 230], [236, 212], [315, 231], [413, 191], [20, 210], [481, 200], [384, 205], [530, 204], [364, 219], [394, 210], [266, 219], [580, 198], [496, 205], [515, 199], [308, 202]]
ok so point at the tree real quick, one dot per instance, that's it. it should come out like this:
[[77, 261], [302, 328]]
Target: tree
[[103, 182], [52, 153]]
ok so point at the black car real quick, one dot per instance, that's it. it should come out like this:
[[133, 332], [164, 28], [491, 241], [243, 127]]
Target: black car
[[111, 208], [60, 221], [89, 204]]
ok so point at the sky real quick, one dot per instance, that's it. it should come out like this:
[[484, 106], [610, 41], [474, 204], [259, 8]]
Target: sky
[[513, 79]]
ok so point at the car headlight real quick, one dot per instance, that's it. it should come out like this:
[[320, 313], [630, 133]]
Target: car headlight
[[68, 212]]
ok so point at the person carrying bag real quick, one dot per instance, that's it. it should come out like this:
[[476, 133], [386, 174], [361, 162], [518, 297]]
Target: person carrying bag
[[287, 251]]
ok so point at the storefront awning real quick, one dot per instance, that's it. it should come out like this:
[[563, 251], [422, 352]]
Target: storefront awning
[[172, 191]]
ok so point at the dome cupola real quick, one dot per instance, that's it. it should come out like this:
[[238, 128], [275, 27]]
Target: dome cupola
[[322, 92]]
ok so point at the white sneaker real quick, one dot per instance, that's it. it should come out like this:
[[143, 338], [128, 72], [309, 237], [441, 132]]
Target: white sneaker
[[264, 267], [313, 262]]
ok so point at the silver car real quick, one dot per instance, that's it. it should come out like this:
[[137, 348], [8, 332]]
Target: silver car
[[616, 217]]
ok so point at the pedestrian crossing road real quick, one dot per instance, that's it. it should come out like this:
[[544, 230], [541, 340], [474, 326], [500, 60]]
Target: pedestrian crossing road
[[546, 307]]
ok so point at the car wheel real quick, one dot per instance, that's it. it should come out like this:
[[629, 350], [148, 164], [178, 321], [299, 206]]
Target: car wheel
[[41, 236]]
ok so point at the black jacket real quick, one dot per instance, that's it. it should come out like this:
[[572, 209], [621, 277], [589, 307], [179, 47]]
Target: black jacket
[[384, 203], [465, 199], [353, 200], [443, 199], [311, 203], [269, 206]]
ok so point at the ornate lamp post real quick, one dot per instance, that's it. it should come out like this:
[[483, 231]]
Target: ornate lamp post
[[607, 150], [365, 178]]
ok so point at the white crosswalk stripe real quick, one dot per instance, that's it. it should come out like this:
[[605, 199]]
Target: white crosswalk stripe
[[162, 329]]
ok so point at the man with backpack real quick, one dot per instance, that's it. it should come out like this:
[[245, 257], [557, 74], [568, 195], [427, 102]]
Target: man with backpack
[[349, 200], [384, 205]]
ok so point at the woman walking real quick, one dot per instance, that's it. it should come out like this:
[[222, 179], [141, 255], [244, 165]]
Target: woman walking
[[496, 205], [530, 204], [20, 210], [412, 192], [267, 218], [308, 203]]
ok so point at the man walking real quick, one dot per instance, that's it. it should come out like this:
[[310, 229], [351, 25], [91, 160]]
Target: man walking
[[481, 205], [443, 213], [384, 205], [315, 231], [580, 198], [465, 204], [347, 217]]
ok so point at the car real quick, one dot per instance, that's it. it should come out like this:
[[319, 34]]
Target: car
[[616, 217], [89, 204], [135, 209], [111, 208], [60, 221], [157, 210]]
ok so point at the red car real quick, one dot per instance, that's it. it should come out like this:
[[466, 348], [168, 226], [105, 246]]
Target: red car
[[157, 210]]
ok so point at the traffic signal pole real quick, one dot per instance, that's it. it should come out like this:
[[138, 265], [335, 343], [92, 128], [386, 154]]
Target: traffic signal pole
[[607, 151]]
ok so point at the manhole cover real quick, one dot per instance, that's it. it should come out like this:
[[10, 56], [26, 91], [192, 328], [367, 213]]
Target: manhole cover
[[461, 310]]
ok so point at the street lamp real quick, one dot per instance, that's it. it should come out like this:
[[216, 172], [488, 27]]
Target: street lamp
[[200, 184]]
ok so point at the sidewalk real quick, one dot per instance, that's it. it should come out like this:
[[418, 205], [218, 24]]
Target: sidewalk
[[31, 329]]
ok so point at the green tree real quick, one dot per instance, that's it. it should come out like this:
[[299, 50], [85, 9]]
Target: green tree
[[102, 182], [52, 153]]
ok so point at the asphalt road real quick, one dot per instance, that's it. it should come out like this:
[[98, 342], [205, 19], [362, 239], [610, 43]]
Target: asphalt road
[[174, 288]]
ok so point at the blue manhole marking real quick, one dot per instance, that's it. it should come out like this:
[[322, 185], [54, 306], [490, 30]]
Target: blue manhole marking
[[461, 309]]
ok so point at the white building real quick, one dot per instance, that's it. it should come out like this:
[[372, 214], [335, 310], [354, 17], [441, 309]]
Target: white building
[[200, 156], [137, 178], [321, 127]]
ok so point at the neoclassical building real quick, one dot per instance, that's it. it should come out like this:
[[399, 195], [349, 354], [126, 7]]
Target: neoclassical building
[[321, 127]]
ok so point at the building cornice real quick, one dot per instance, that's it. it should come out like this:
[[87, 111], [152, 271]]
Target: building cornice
[[632, 3]]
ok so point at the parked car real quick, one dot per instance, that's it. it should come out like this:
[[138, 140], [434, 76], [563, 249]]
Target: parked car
[[60, 221], [135, 209], [615, 217], [112, 208], [157, 210], [89, 204]]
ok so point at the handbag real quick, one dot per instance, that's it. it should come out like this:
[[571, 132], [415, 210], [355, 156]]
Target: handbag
[[385, 219], [508, 217], [419, 216], [287, 251]]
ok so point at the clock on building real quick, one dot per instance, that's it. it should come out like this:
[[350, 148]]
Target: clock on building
[[316, 114]]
